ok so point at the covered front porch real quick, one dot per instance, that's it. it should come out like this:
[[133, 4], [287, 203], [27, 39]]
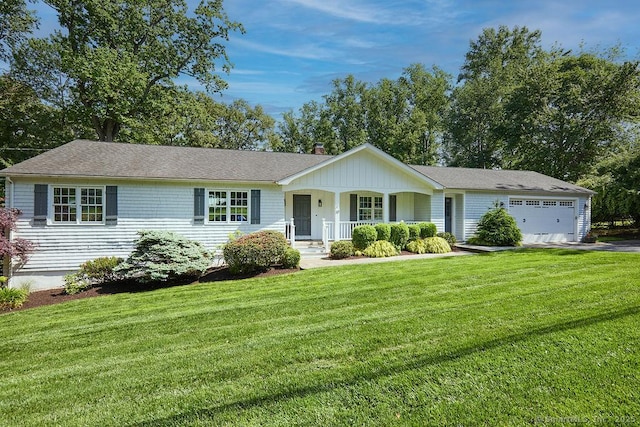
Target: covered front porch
[[328, 216]]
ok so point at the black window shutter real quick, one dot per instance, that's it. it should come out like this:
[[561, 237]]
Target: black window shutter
[[198, 205], [111, 217], [40, 204], [353, 207], [392, 207], [255, 206]]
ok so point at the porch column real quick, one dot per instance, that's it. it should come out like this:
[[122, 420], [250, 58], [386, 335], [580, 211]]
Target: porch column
[[336, 223], [385, 207]]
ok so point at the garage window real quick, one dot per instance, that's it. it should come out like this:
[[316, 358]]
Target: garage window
[[515, 202], [548, 203], [566, 204], [533, 202]]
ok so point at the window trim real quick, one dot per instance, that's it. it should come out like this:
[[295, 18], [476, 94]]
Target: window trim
[[228, 206], [78, 205], [372, 209]]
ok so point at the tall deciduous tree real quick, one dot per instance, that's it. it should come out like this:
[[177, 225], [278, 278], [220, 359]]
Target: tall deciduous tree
[[117, 59], [492, 68], [15, 22], [568, 112]]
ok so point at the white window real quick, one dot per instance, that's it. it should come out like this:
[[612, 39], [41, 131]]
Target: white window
[[370, 208], [513, 202], [566, 203], [548, 203], [228, 206], [78, 205], [533, 202]]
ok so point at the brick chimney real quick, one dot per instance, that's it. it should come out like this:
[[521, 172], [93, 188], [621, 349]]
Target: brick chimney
[[318, 148]]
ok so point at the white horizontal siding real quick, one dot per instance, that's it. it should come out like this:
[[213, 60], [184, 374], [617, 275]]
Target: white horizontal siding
[[476, 205], [437, 210], [140, 207]]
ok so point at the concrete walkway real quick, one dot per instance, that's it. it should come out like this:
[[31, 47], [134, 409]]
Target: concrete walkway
[[308, 262]]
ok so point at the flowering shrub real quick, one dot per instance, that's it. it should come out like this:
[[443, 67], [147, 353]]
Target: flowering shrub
[[96, 272], [255, 252]]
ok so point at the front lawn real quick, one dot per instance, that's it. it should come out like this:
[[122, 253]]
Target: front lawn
[[523, 337]]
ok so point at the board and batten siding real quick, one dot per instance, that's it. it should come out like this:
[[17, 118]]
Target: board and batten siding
[[141, 206]]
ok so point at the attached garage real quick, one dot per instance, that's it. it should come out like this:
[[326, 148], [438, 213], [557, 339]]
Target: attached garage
[[545, 220]]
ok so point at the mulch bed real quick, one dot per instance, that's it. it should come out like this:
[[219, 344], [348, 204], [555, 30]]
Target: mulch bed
[[55, 296]]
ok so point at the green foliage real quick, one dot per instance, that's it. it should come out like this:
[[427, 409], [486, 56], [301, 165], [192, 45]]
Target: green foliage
[[341, 249], [255, 252], [92, 273], [74, 283], [12, 298], [384, 231], [427, 229], [363, 235], [380, 249], [414, 232], [497, 228], [163, 256], [450, 238], [436, 245], [399, 235], [291, 258], [112, 78], [429, 245]]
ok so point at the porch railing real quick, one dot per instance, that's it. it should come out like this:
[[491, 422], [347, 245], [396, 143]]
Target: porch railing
[[290, 232], [344, 230]]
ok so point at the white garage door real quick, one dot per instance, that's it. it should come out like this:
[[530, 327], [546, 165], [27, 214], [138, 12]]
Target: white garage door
[[542, 220]]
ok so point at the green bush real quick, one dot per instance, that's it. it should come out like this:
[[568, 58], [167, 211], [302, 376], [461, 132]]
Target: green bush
[[363, 235], [380, 249], [291, 258], [414, 232], [74, 283], [399, 235], [92, 273], [430, 245], [497, 228], [384, 231], [164, 256], [427, 229], [436, 245], [255, 252], [341, 249], [450, 238], [12, 298]]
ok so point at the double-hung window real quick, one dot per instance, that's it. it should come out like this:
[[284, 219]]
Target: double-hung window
[[228, 206], [370, 208], [78, 205]]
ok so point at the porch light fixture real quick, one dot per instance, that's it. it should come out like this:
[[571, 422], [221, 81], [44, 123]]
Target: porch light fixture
[[319, 203]]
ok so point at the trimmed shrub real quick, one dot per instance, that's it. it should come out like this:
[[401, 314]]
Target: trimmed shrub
[[12, 298], [384, 231], [497, 228], [341, 249], [450, 238], [255, 252], [380, 249], [427, 229], [363, 235], [430, 245], [164, 256], [436, 245], [399, 235], [92, 273], [291, 258], [414, 232]]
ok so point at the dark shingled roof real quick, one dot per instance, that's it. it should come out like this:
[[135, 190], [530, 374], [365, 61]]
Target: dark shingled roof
[[500, 180], [84, 159], [81, 158]]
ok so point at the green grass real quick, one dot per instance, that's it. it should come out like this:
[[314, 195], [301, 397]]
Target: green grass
[[522, 337]]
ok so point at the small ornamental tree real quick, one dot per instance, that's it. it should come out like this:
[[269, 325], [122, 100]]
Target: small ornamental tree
[[17, 248], [497, 228]]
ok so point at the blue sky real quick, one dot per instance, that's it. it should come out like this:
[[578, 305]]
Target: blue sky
[[293, 49]]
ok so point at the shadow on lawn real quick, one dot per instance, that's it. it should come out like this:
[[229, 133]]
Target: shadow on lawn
[[388, 370]]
